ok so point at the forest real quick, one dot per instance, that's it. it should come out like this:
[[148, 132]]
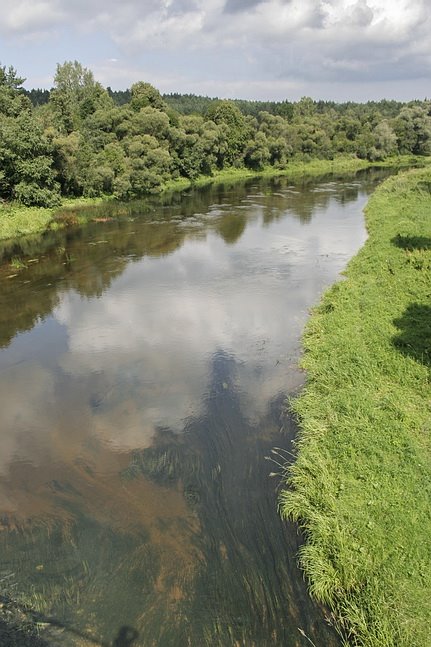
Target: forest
[[81, 139]]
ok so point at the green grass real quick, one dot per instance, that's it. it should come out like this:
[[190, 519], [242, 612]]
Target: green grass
[[361, 483], [17, 220], [295, 169]]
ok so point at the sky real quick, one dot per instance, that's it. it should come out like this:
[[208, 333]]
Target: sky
[[252, 49]]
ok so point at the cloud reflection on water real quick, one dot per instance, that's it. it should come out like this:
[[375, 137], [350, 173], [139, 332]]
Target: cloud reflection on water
[[137, 357]]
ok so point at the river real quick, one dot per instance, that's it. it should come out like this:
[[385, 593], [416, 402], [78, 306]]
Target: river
[[145, 363]]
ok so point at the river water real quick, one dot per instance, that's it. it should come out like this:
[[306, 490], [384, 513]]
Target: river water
[[145, 364]]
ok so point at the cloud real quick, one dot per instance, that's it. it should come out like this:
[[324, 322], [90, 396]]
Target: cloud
[[169, 21], [238, 6], [200, 41], [31, 19]]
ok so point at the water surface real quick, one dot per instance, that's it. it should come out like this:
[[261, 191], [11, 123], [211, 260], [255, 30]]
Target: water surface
[[144, 368]]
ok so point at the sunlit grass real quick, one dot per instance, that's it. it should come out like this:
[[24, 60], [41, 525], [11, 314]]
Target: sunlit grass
[[297, 168], [361, 485], [17, 220]]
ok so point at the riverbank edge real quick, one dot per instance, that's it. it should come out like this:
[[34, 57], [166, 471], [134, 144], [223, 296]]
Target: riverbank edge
[[359, 487], [17, 220]]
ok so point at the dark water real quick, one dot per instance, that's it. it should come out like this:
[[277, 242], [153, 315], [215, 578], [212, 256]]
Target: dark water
[[144, 369]]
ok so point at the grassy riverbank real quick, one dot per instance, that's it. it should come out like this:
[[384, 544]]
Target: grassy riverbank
[[361, 484], [17, 220]]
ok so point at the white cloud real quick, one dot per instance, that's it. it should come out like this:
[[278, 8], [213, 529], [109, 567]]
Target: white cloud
[[27, 16], [197, 45]]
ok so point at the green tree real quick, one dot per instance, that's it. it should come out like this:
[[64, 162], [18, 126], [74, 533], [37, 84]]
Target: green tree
[[67, 162], [385, 141], [413, 130], [12, 99], [236, 130], [76, 96], [144, 95], [148, 165], [26, 162], [196, 145], [278, 133], [305, 107], [257, 152], [150, 121]]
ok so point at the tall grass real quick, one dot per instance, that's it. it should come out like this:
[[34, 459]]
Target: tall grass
[[361, 484], [17, 220]]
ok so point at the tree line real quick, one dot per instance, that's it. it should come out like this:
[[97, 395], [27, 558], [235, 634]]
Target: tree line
[[81, 139]]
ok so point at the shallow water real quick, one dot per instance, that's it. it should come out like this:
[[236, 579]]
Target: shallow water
[[144, 368]]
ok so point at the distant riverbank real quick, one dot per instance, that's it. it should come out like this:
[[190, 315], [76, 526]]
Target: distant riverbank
[[17, 220], [361, 483]]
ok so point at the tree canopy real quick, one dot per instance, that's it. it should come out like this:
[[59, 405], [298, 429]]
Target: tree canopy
[[82, 139]]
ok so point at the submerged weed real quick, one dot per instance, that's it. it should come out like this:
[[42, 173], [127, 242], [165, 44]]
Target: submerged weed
[[17, 264]]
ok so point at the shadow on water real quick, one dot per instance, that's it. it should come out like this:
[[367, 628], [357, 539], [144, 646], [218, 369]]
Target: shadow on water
[[126, 637], [415, 336]]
